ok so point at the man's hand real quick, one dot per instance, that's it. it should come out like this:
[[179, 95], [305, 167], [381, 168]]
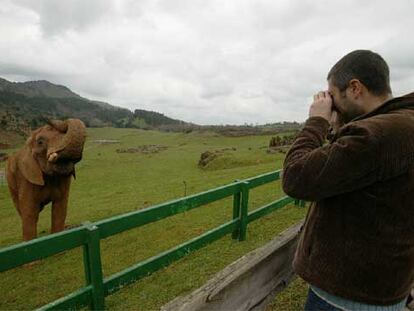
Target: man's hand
[[321, 106], [336, 121]]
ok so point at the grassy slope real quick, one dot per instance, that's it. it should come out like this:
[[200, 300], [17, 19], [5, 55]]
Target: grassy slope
[[110, 183]]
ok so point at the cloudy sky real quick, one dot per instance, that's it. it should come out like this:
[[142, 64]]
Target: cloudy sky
[[204, 61]]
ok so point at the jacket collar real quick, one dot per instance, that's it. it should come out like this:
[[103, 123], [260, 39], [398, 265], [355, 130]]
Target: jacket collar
[[392, 104]]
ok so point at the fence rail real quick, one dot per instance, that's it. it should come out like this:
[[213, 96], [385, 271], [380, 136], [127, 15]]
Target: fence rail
[[89, 235]]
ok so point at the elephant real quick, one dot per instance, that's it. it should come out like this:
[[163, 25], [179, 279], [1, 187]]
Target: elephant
[[41, 171]]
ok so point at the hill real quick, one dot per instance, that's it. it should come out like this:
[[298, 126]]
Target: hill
[[41, 88], [151, 119], [26, 105]]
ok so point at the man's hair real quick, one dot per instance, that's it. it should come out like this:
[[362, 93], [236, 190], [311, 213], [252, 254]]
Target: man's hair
[[366, 66]]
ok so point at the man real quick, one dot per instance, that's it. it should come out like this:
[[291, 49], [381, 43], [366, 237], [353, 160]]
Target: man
[[356, 248]]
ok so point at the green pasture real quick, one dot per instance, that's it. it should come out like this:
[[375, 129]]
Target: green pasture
[[110, 183]]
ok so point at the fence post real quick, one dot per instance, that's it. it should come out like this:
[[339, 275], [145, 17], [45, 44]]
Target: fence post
[[300, 203], [93, 266], [244, 210], [236, 212]]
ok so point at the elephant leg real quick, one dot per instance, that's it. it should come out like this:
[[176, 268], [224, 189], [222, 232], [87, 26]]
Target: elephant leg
[[26, 203], [59, 215], [29, 222], [60, 205], [29, 211], [15, 199], [12, 184]]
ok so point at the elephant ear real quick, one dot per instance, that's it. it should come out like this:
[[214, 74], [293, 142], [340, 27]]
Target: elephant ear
[[29, 167]]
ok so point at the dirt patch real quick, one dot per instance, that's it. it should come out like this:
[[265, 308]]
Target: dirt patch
[[207, 156], [279, 149], [145, 149], [279, 141], [106, 141], [280, 144]]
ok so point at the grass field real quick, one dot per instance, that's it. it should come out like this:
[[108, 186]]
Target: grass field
[[110, 183]]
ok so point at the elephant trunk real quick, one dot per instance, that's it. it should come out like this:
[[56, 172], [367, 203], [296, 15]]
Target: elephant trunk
[[70, 148]]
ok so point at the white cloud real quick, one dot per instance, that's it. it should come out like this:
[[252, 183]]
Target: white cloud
[[208, 62]]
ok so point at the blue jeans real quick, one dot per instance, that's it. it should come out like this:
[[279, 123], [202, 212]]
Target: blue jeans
[[315, 303]]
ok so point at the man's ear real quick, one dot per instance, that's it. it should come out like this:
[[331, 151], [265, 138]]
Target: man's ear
[[29, 166], [356, 88]]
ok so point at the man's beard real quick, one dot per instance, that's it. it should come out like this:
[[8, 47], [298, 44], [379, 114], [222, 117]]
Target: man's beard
[[352, 110]]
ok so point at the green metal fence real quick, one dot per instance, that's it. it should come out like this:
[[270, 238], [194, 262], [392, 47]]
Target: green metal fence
[[89, 235]]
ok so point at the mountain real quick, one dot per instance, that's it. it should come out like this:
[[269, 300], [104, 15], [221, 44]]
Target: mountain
[[152, 119], [27, 105], [40, 88]]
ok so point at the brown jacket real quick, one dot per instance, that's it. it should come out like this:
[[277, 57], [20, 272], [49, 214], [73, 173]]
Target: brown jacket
[[358, 238]]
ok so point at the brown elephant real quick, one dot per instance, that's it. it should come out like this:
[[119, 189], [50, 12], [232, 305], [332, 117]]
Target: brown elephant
[[40, 172]]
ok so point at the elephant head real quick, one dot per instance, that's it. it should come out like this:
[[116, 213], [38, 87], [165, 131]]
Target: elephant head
[[53, 150]]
